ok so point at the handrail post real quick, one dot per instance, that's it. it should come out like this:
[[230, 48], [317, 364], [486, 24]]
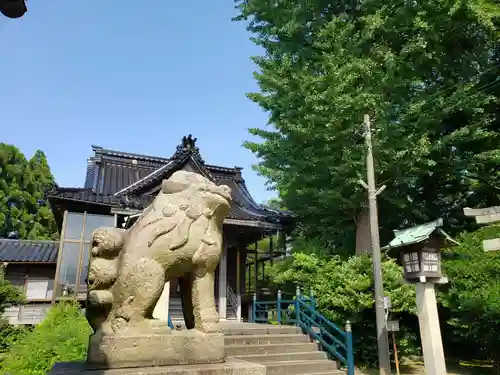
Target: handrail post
[[278, 306], [349, 354], [313, 304], [313, 300], [297, 306], [254, 307]]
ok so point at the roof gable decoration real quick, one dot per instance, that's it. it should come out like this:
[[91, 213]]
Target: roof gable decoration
[[418, 234]]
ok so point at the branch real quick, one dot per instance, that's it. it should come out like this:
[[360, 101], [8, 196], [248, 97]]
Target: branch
[[475, 177]]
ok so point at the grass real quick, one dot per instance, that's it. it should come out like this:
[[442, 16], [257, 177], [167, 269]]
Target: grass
[[454, 368]]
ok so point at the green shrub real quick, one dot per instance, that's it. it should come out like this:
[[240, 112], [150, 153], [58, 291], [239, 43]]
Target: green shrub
[[62, 336], [472, 297]]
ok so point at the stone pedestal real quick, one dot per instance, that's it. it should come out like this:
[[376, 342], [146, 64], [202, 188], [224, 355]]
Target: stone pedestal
[[230, 367], [186, 347], [430, 331]]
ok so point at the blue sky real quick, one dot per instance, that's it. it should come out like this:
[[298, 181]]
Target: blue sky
[[129, 77]]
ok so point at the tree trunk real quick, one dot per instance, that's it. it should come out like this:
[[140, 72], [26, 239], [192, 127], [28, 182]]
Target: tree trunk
[[496, 365], [363, 239]]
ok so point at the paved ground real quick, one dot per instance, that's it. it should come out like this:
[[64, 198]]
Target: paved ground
[[453, 369]]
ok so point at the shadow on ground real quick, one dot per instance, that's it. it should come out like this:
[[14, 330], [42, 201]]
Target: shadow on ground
[[454, 368]]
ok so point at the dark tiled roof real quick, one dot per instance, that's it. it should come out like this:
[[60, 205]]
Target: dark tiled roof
[[154, 179], [88, 196], [121, 179], [110, 171], [28, 251]]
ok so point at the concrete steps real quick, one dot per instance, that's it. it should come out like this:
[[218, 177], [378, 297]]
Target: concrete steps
[[280, 357], [284, 350], [175, 311], [239, 350], [302, 367], [266, 339]]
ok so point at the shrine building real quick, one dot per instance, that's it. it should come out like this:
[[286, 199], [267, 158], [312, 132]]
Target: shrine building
[[118, 186]]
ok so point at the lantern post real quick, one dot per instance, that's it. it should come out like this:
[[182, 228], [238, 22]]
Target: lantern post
[[419, 248]]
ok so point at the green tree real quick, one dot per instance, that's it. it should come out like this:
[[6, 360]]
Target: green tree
[[344, 291], [62, 336], [472, 295], [23, 187], [417, 68]]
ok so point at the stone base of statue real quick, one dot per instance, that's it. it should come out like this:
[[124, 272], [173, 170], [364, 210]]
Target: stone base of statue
[[137, 349], [183, 352], [229, 367]]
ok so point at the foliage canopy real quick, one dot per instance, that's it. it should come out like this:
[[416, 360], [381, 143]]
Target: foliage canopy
[[427, 74], [23, 187]]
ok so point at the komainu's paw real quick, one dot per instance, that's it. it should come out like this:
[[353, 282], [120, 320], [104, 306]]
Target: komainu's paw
[[151, 326], [100, 297]]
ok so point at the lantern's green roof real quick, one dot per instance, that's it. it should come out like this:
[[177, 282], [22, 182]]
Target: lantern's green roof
[[420, 233]]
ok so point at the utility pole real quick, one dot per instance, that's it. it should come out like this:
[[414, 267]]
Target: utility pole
[[384, 361]]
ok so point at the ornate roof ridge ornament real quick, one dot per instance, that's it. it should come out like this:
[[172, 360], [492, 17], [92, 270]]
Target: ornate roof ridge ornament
[[188, 146]]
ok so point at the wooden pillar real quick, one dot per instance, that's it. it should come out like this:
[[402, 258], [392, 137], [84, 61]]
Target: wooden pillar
[[160, 311], [223, 284], [249, 274], [256, 263], [282, 243], [3, 270], [238, 284], [263, 267], [271, 250]]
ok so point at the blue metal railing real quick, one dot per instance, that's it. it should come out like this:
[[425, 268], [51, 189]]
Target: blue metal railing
[[301, 311]]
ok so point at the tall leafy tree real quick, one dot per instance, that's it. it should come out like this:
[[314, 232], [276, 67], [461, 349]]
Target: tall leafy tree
[[24, 211], [417, 68]]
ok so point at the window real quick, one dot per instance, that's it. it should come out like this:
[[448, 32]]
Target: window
[[93, 222], [68, 269], [73, 263], [430, 261], [74, 225], [82, 283], [37, 289], [411, 262]]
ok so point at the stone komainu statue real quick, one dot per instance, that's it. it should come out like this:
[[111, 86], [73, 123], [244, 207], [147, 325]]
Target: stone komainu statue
[[178, 236]]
